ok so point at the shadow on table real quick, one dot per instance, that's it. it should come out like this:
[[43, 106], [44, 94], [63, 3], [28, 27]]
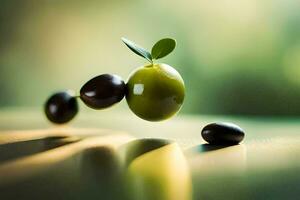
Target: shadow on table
[[14, 150], [208, 147], [150, 169]]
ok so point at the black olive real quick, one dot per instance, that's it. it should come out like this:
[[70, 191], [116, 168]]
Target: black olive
[[61, 107], [222, 133], [103, 91]]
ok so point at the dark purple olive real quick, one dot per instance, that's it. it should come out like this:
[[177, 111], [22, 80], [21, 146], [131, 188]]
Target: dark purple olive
[[222, 133], [103, 91], [61, 107]]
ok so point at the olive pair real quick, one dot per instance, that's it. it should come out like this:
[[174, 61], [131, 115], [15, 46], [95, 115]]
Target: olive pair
[[154, 92], [100, 92]]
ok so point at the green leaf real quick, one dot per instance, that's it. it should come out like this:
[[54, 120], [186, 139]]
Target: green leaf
[[137, 49], [163, 47]]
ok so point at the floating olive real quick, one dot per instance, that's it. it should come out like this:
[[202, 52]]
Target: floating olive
[[61, 107], [103, 91], [155, 92]]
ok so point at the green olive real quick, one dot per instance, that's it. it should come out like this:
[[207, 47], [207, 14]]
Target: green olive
[[155, 92]]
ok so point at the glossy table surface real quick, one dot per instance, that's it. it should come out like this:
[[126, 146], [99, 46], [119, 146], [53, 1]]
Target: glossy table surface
[[115, 155]]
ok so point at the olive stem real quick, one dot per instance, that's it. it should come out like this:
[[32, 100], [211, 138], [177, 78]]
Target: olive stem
[[152, 63]]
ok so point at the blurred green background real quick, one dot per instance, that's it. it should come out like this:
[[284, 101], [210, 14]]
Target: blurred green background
[[236, 57]]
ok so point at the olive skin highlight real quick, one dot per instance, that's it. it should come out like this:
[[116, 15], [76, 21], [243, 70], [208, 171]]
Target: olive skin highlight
[[155, 92]]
